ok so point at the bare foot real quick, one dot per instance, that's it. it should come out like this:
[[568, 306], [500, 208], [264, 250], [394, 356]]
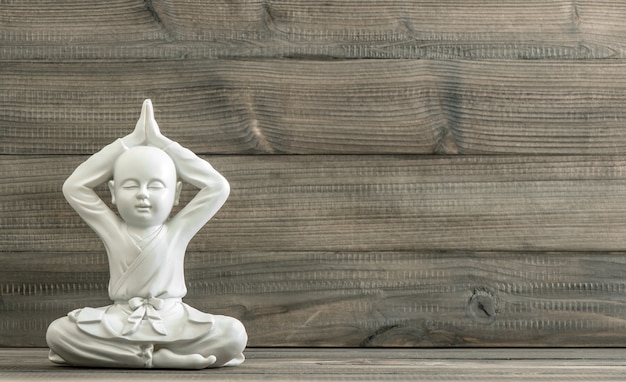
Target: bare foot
[[166, 359]]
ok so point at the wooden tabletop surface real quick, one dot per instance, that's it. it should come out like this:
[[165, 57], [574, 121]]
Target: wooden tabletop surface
[[353, 365]]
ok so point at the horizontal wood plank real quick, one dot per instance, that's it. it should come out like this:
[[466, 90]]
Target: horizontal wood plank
[[564, 365], [315, 107], [364, 203], [365, 299], [471, 29]]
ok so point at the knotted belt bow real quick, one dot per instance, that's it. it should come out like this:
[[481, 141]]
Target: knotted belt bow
[[145, 308]]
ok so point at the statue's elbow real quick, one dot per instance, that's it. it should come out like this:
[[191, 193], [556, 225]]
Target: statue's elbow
[[70, 188], [67, 188], [224, 188]]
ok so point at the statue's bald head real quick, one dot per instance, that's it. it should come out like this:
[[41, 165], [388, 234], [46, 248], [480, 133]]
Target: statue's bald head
[[144, 159], [144, 186]]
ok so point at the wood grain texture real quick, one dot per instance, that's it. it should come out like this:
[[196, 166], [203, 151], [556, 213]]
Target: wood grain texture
[[219, 107], [453, 29], [315, 107], [518, 241], [364, 299], [563, 365], [364, 203]]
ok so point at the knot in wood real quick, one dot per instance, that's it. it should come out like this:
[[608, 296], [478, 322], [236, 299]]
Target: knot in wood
[[482, 306]]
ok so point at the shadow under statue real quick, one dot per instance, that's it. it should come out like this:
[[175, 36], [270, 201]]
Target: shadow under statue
[[148, 325]]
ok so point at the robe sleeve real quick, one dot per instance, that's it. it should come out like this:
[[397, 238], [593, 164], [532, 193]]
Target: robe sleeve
[[213, 190], [78, 189]]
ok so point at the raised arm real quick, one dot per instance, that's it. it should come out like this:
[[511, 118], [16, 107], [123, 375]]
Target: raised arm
[[213, 187], [78, 189]]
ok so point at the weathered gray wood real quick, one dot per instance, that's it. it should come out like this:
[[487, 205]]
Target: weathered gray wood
[[363, 203], [325, 250], [470, 29], [309, 107], [372, 299], [564, 365]]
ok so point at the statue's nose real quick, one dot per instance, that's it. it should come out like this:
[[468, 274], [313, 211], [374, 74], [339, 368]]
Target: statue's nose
[[142, 193]]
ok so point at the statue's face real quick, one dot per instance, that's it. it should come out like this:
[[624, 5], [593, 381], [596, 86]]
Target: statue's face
[[144, 186]]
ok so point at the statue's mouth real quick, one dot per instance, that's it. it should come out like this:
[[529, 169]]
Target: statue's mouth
[[143, 207]]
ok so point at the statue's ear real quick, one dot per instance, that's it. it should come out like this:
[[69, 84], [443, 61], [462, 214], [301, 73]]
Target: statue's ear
[[112, 189], [179, 187]]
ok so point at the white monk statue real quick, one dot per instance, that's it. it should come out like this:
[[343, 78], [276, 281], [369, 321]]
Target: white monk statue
[[148, 325]]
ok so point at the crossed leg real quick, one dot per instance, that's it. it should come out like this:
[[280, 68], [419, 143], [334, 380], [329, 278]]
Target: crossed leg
[[223, 345]]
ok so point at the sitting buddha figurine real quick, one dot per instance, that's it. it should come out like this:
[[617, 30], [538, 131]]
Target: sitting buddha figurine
[[148, 325]]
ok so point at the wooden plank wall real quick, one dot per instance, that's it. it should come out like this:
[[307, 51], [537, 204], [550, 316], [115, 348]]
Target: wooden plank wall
[[403, 172]]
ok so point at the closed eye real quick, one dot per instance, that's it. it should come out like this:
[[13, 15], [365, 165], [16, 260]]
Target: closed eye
[[131, 185], [156, 185]]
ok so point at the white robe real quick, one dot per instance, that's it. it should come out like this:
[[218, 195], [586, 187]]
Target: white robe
[[148, 304]]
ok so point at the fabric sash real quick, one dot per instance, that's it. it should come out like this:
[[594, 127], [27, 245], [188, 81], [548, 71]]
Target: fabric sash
[[145, 308]]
